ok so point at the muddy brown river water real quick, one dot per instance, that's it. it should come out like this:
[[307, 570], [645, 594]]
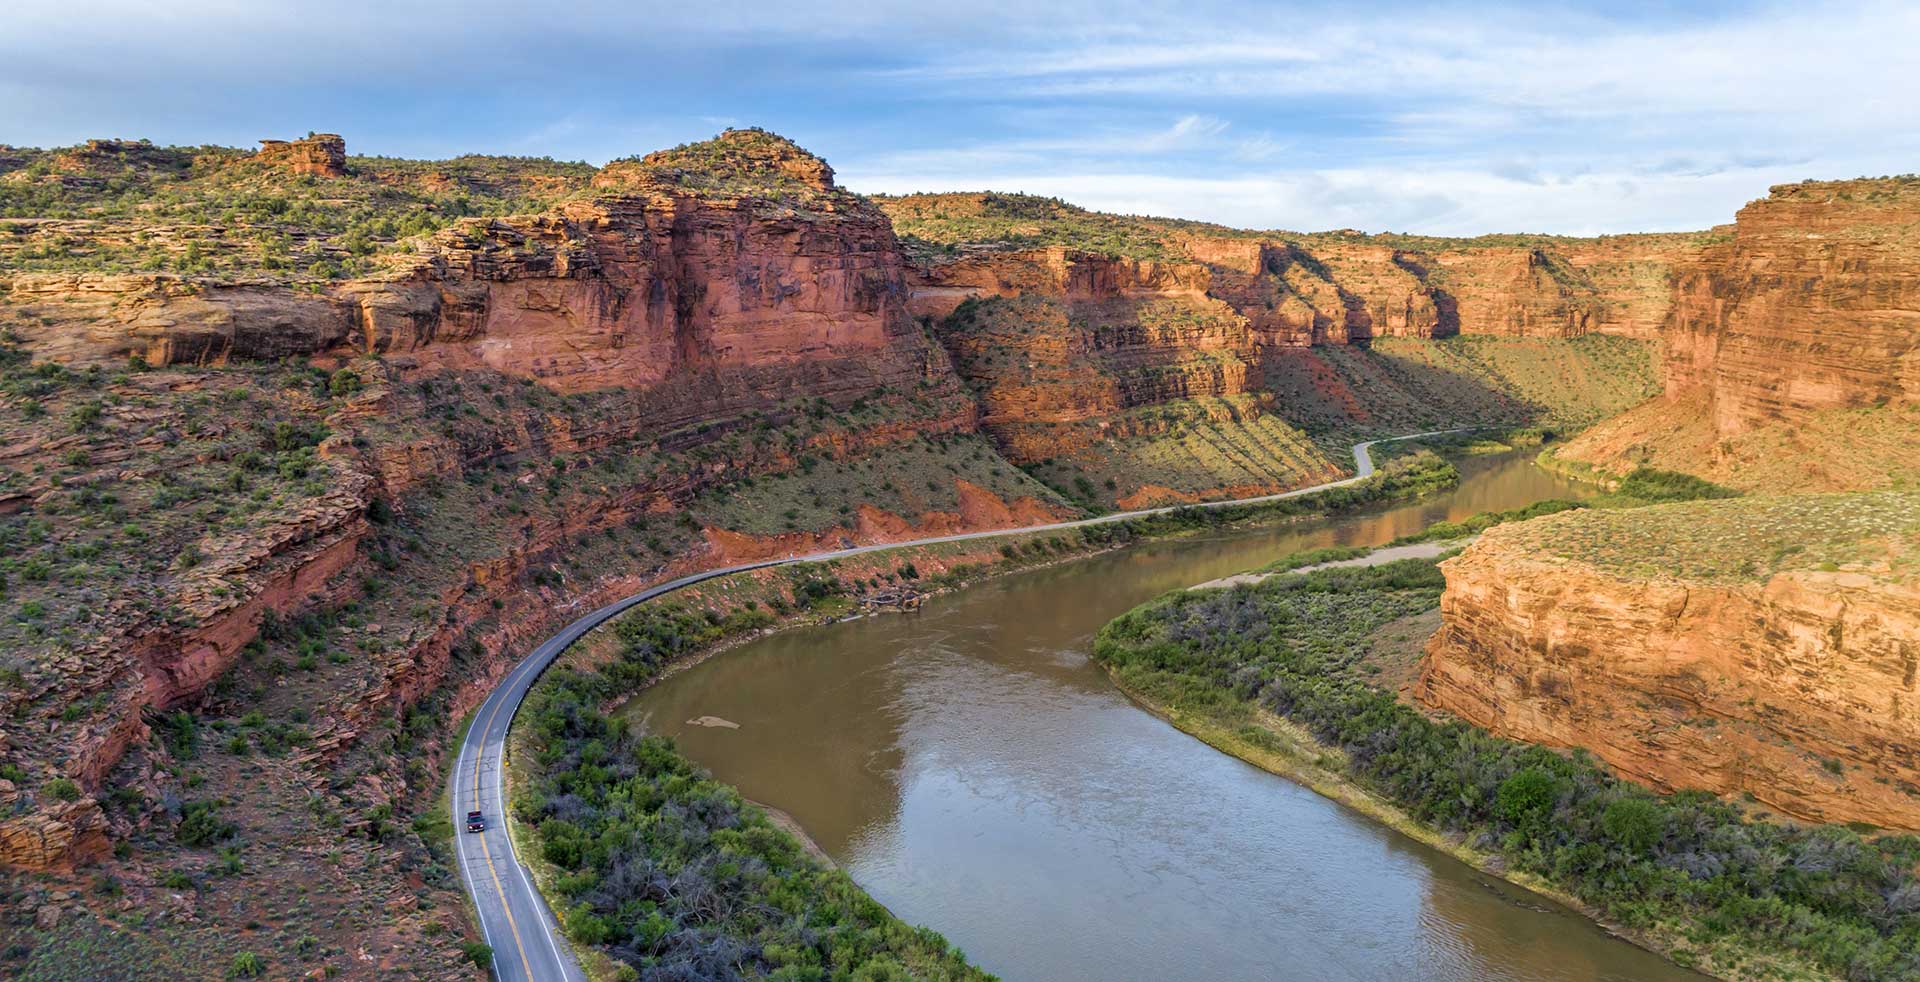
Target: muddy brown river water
[[975, 772]]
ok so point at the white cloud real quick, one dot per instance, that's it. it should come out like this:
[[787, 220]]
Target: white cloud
[[1392, 199], [1451, 117]]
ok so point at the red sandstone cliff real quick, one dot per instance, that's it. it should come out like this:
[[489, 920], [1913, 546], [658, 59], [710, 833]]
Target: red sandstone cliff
[[1799, 689], [1808, 306], [1793, 363], [691, 302]]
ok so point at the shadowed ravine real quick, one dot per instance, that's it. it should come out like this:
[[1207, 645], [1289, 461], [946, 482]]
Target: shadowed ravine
[[975, 772]]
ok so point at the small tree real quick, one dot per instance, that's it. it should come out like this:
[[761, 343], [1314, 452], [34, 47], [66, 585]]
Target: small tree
[[480, 954], [246, 965]]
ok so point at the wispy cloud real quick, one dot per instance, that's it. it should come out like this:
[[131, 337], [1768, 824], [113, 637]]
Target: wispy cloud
[[1456, 116]]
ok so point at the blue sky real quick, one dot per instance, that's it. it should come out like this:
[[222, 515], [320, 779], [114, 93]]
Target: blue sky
[[1431, 117]]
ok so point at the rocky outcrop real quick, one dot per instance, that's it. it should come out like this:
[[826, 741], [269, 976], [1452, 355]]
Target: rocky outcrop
[[165, 319], [317, 155], [1808, 305], [1800, 690], [638, 290], [1035, 361], [1812, 303]]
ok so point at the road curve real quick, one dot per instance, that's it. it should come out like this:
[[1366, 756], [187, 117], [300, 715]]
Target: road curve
[[526, 940]]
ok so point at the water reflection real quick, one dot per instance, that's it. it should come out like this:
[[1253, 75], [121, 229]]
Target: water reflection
[[974, 771]]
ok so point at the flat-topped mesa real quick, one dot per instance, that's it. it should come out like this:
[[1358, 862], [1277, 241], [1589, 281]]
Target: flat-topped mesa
[[318, 154]]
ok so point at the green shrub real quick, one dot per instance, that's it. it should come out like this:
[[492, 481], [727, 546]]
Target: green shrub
[[201, 825], [1292, 644], [479, 953], [246, 965], [1650, 484]]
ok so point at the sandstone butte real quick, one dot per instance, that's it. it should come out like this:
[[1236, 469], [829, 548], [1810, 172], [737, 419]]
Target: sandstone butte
[[1802, 322], [688, 291]]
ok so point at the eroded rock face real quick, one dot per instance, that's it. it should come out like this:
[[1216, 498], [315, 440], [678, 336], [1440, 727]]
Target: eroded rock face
[[1800, 690], [1807, 306], [163, 319], [1813, 303], [637, 290], [317, 154]]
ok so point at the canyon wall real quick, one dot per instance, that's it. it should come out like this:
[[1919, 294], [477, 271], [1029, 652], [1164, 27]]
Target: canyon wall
[[1811, 303], [1799, 690], [640, 286], [1793, 344], [1793, 348], [689, 318]]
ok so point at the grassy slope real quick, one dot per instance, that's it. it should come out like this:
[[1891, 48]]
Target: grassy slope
[[1742, 539], [1827, 450], [1407, 383]]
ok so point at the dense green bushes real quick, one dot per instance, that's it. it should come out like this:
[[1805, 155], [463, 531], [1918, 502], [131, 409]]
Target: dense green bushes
[[1653, 485], [1476, 524], [670, 871], [1685, 862]]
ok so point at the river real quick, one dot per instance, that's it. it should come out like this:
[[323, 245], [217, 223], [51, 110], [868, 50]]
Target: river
[[974, 771]]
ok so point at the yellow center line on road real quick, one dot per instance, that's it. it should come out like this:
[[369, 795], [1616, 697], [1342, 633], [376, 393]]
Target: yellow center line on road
[[505, 905]]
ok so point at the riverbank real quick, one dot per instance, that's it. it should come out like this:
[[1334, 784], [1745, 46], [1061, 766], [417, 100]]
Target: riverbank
[[1386, 554], [565, 724], [1274, 673], [936, 756], [1280, 747]]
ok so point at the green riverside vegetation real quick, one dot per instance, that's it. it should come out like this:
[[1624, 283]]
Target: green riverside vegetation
[[1741, 893], [672, 874]]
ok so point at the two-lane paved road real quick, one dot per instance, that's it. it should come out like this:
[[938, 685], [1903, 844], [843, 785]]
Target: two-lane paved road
[[526, 939]]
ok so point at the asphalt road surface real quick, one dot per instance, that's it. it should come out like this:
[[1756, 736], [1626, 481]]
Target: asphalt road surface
[[526, 940]]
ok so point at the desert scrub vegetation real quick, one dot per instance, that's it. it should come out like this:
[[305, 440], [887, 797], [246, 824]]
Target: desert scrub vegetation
[[1745, 539], [670, 872], [763, 168], [1401, 384], [908, 479], [1644, 486], [1739, 893], [113, 206], [933, 227], [132, 482]]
